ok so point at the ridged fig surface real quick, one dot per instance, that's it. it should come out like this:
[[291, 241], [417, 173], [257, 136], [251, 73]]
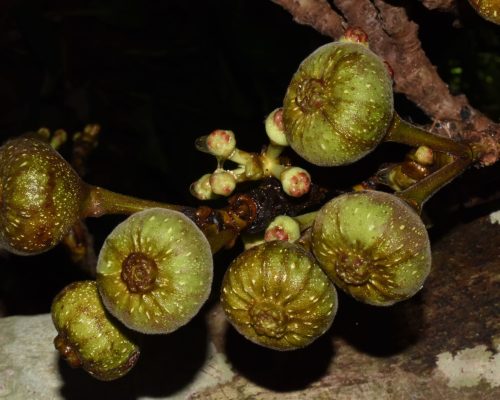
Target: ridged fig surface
[[40, 196], [339, 104], [373, 246], [88, 336], [154, 271], [276, 295]]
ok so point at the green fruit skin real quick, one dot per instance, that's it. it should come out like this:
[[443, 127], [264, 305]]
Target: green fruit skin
[[184, 270], [373, 246], [40, 196], [488, 9], [88, 335], [276, 295], [339, 104]]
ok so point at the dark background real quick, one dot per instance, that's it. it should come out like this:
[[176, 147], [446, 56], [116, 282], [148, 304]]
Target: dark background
[[158, 74]]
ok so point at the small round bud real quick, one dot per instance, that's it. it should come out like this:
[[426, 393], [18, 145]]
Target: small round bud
[[58, 138], [424, 155], [222, 183], [275, 129], [283, 227], [356, 35], [201, 189], [221, 143], [296, 181]]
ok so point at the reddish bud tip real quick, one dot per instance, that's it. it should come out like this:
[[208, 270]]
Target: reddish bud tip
[[275, 233], [296, 181], [221, 143], [275, 129], [283, 228], [355, 34], [389, 69], [222, 183]]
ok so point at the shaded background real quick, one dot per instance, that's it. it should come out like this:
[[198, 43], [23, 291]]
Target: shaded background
[[158, 74]]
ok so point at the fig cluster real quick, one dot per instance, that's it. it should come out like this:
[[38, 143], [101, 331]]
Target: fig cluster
[[370, 244], [155, 269]]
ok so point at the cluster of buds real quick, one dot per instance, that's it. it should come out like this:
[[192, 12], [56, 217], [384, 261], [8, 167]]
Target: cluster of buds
[[221, 144]]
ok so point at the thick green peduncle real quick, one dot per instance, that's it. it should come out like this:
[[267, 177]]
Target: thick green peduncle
[[403, 132], [102, 201]]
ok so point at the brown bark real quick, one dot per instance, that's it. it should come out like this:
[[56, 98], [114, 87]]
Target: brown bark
[[395, 38]]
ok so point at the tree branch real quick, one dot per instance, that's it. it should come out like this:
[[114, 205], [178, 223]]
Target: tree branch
[[442, 5], [395, 38]]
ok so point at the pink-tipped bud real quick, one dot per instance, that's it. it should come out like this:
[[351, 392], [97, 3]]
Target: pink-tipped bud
[[424, 155], [201, 189], [221, 143], [275, 129], [296, 181], [356, 35], [283, 228], [222, 183]]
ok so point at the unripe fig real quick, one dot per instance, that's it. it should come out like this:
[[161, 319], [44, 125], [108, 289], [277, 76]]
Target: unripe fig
[[88, 336], [488, 9], [40, 196], [339, 104], [154, 271], [373, 246], [276, 295]]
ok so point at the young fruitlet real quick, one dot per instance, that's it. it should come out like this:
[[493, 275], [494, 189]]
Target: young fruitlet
[[154, 271], [276, 295], [373, 246], [88, 337]]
